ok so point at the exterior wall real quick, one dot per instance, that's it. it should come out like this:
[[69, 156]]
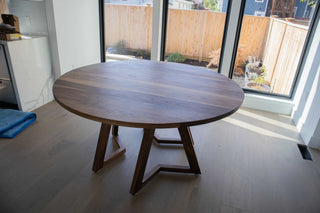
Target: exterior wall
[[250, 8], [301, 7], [224, 6]]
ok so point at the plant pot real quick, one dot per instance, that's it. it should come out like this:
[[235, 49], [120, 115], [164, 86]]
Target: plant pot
[[256, 86]]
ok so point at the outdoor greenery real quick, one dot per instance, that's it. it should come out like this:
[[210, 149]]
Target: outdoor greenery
[[145, 54], [211, 4], [260, 80], [121, 47], [176, 57], [312, 3]]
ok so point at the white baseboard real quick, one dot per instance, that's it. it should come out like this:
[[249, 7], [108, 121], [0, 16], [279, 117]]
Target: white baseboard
[[267, 103]]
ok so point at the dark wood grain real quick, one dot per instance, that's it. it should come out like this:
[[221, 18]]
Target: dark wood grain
[[115, 130], [101, 147], [140, 178], [187, 141], [100, 159], [148, 94], [137, 181]]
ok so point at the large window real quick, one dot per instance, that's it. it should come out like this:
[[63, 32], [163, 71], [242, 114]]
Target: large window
[[271, 45], [195, 32], [128, 29]]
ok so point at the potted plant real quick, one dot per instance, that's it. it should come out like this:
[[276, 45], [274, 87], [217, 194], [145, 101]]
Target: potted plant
[[254, 75]]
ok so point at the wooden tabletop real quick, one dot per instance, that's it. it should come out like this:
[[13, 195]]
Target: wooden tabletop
[[148, 94]]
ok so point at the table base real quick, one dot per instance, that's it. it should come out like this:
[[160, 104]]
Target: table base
[[161, 140], [100, 160], [140, 178]]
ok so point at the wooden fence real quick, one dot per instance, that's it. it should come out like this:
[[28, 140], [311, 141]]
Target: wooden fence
[[282, 53], [193, 33], [132, 24]]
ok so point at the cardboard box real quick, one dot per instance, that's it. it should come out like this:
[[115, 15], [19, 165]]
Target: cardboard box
[[11, 20], [10, 36]]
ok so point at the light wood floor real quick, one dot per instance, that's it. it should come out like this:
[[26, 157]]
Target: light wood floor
[[250, 163]]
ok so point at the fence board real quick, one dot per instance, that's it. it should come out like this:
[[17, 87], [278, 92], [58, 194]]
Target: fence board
[[184, 32], [128, 23], [276, 35], [282, 54], [286, 66], [253, 36], [214, 32]]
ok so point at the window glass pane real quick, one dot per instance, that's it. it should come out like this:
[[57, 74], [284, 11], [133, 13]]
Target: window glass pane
[[271, 41], [128, 28], [195, 31]]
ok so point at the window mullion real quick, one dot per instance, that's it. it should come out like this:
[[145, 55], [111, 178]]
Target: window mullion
[[232, 34]]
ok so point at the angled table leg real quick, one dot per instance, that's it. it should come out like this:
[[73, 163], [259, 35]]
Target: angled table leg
[[137, 181], [140, 179], [99, 159], [115, 130], [187, 140]]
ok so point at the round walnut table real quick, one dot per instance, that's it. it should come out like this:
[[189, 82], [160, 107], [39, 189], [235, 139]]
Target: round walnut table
[[150, 95]]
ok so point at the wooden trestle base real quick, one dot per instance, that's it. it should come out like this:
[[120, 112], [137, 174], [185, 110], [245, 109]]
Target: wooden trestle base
[[140, 178]]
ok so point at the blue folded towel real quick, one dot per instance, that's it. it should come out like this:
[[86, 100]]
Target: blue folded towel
[[12, 122]]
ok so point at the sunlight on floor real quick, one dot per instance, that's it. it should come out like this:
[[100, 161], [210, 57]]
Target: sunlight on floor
[[258, 130], [267, 120]]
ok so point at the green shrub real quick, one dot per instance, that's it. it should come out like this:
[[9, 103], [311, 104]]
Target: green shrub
[[121, 47], [176, 57], [143, 53]]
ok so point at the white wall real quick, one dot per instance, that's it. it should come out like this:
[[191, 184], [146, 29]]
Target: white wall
[[32, 16], [73, 33], [306, 111]]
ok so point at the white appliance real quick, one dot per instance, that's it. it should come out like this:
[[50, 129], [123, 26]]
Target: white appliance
[[29, 66], [6, 87]]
